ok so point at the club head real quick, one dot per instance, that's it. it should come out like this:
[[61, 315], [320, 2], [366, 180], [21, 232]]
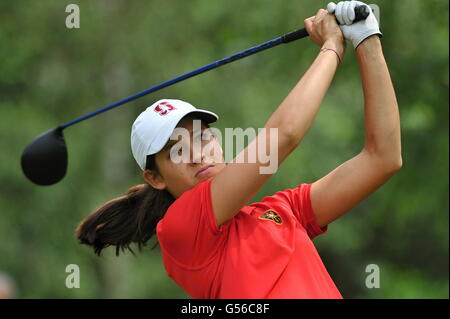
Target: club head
[[44, 160]]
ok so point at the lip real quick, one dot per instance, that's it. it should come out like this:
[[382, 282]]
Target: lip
[[203, 170]]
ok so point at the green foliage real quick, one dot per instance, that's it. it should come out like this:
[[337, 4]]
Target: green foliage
[[50, 74]]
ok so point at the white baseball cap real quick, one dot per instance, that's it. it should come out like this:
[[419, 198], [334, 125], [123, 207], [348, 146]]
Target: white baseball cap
[[152, 128]]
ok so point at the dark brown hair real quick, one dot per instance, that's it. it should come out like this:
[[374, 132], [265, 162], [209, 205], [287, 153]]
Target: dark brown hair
[[131, 218]]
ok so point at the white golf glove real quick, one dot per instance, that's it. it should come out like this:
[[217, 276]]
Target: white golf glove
[[358, 31]]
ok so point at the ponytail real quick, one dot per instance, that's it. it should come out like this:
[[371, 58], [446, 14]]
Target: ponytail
[[131, 218]]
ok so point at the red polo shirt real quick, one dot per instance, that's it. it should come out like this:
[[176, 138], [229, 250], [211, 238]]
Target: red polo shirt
[[265, 251]]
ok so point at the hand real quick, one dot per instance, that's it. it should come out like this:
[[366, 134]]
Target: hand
[[324, 31], [358, 31]]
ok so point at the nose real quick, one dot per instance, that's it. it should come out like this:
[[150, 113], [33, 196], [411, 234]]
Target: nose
[[197, 155]]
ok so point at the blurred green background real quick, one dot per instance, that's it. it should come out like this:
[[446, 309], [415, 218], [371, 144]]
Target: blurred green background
[[50, 74]]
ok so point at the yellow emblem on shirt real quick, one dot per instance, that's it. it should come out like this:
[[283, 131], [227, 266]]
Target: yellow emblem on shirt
[[273, 216]]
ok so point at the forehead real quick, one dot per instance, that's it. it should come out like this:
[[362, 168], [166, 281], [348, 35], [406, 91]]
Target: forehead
[[190, 123]]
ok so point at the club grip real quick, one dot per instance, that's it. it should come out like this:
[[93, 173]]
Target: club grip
[[361, 13], [294, 35]]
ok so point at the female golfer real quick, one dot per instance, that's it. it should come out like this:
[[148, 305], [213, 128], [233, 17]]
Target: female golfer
[[214, 243]]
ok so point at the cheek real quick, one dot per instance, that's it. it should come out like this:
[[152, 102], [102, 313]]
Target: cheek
[[168, 169], [178, 171]]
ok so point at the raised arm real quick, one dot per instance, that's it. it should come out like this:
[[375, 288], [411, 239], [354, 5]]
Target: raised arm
[[237, 183], [354, 180]]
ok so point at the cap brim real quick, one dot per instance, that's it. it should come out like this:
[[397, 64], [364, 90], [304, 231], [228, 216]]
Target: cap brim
[[207, 116]]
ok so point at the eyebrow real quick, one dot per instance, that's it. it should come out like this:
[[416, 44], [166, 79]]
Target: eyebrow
[[170, 143]]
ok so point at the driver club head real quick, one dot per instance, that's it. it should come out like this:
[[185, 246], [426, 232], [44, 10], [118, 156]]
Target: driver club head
[[44, 160]]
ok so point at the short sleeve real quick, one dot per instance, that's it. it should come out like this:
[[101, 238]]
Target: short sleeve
[[299, 201], [188, 232]]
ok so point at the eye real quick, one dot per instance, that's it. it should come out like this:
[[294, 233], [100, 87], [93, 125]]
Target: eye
[[210, 134], [206, 135], [175, 151]]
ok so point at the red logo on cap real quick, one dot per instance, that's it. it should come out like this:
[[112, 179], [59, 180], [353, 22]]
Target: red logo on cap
[[164, 108]]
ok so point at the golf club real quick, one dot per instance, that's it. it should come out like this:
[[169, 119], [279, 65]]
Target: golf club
[[44, 160]]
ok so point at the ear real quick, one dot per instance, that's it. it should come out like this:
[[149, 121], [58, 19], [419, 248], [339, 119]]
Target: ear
[[154, 179]]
